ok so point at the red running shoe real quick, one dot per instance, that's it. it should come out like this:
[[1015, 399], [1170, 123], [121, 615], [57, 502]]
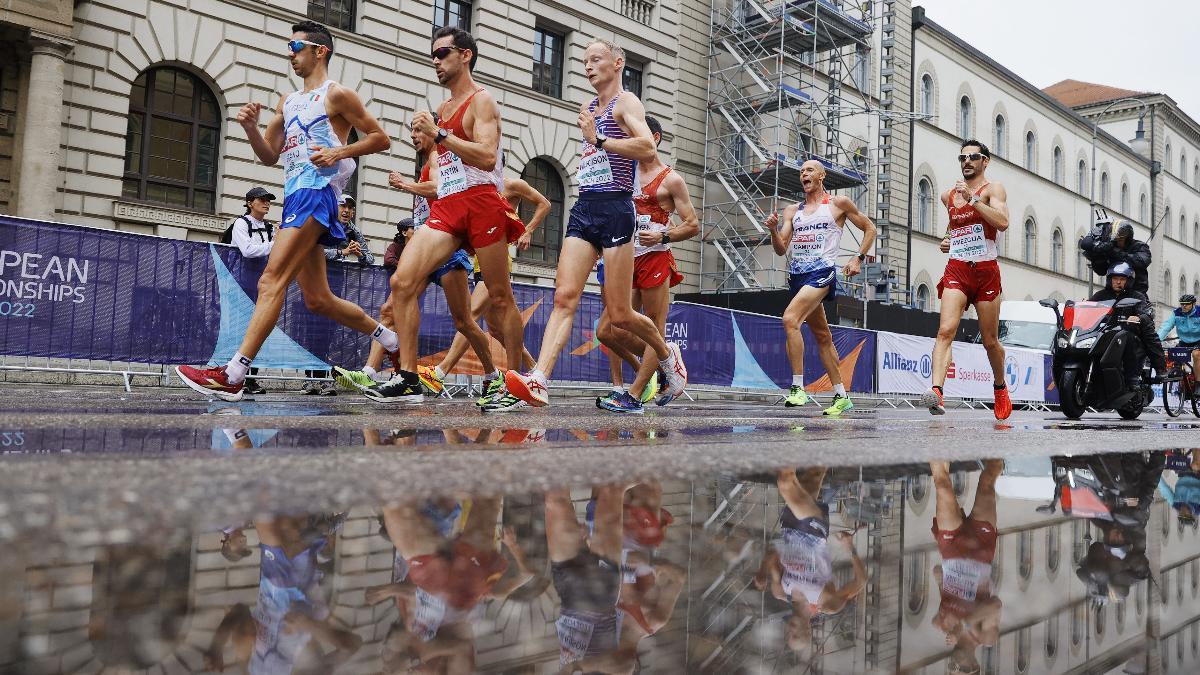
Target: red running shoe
[[527, 388], [210, 381], [1003, 406]]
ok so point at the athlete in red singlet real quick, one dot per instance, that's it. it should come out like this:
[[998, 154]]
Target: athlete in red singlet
[[469, 212], [978, 212]]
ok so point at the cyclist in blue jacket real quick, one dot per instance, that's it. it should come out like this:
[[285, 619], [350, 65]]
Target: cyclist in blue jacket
[[1186, 322]]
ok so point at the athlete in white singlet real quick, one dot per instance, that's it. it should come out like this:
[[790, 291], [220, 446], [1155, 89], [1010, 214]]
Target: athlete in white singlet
[[810, 238], [308, 132]]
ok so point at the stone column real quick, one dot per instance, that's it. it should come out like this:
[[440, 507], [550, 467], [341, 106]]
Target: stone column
[[41, 154]]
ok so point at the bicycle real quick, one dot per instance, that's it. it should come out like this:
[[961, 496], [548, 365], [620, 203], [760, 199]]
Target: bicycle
[[1179, 385]]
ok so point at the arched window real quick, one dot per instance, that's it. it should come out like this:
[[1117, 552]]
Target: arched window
[[1182, 287], [1025, 554], [1182, 228], [1142, 209], [1078, 617], [1081, 263], [172, 141], [1168, 292], [1104, 188], [1024, 639], [1058, 165], [916, 571], [547, 239], [1030, 151], [1081, 178], [1124, 197], [1196, 232], [1029, 252], [923, 298], [1167, 154], [927, 94], [1183, 166], [1196, 175], [1052, 629], [925, 201], [1056, 251], [964, 116], [1053, 548], [1001, 136], [1166, 222]]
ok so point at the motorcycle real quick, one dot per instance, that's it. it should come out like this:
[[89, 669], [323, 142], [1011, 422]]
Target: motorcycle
[[1089, 358]]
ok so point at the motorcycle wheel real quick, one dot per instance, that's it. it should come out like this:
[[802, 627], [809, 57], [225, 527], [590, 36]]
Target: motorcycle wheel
[[1071, 394], [1174, 393]]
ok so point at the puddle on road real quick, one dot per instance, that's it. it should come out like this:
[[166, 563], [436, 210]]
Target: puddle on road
[[1052, 564]]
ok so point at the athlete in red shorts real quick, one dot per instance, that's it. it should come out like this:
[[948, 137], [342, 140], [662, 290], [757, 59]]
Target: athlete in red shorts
[[659, 193], [468, 214], [978, 211]]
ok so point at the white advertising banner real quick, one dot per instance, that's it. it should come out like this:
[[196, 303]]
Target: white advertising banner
[[905, 366]]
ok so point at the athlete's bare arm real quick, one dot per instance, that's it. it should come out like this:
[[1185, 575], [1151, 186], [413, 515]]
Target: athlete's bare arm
[[630, 115], [541, 207], [266, 145], [860, 220], [993, 206], [780, 236], [482, 122], [689, 222], [835, 601], [426, 189], [346, 112]]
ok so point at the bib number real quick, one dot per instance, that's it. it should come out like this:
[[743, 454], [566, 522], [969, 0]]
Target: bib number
[[594, 167], [295, 155], [968, 243], [452, 175], [574, 636], [807, 244], [420, 211]]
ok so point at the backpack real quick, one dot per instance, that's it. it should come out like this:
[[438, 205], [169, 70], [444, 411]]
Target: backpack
[[227, 235]]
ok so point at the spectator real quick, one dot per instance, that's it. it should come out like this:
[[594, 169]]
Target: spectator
[[254, 237], [391, 257], [1103, 252], [354, 245]]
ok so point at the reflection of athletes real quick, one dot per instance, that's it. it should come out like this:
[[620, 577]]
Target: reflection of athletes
[[290, 627], [811, 239], [969, 613], [448, 562], [798, 568], [978, 213]]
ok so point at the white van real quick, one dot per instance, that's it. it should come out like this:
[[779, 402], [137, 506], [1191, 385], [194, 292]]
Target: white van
[[1026, 324]]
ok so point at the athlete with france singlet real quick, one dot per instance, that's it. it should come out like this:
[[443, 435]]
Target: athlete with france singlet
[[811, 239], [468, 214], [798, 568], [308, 132], [603, 223], [661, 191], [978, 213]]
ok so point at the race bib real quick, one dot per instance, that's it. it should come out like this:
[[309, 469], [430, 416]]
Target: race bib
[[452, 175], [429, 615], [807, 244], [962, 578], [294, 155], [644, 222], [594, 167], [968, 243], [574, 636], [420, 211]]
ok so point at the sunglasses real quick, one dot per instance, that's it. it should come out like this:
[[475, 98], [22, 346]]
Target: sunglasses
[[974, 157], [297, 46], [442, 52]]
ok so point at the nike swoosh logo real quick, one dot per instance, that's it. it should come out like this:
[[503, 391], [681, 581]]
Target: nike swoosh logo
[[491, 230], [616, 239]]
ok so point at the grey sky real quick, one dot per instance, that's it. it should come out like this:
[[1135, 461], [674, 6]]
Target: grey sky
[[1147, 45]]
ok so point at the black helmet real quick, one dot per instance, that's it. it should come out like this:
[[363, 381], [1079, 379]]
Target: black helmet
[[1121, 269], [1125, 229], [1187, 298]]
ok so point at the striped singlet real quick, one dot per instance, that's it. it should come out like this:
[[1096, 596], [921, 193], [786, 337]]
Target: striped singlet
[[307, 124], [600, 171]]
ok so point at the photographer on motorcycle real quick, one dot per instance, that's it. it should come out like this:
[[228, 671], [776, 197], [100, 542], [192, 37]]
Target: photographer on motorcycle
[[1120, 286], [1103, 250]]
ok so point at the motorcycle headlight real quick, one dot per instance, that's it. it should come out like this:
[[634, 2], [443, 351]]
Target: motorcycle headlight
[[1086, 343]]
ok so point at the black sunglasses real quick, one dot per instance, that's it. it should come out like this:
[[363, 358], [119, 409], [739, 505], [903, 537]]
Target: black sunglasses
[[974, 157], [442, 52]]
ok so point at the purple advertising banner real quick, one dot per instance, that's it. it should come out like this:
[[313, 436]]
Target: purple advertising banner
[[84, 293]]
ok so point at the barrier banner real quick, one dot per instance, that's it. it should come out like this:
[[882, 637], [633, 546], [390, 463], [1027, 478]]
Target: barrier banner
[[905, 367], [84, 293]]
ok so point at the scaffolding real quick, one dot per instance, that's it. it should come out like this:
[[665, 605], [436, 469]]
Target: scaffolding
[[776, 75]]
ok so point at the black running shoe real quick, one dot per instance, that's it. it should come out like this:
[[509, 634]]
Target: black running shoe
[[399, 389], [253, 388]]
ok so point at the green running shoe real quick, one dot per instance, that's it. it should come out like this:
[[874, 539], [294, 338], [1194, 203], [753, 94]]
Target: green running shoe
[[651, 389], [840, 405], [490, 390], [353, 379], [796, 397]]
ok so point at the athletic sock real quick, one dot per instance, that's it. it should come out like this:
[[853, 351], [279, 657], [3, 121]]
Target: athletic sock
[[371, 372], [236, 369], [437, 371], [618, 389], [798, 380], [497, 374], [936, 388], [386, 337], [839, 389]]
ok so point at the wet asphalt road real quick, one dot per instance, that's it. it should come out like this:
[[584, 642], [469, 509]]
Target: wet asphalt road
[[81, 461]]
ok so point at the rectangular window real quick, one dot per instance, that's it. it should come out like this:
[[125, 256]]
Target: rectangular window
[[631, 79], [547, 62], [452, 13], [332, 13]]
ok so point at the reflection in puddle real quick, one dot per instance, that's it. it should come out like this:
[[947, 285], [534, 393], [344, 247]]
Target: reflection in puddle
[[1086, 563]]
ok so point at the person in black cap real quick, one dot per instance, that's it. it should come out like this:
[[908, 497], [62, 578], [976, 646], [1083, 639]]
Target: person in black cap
[[1103, 252], [254, 237]]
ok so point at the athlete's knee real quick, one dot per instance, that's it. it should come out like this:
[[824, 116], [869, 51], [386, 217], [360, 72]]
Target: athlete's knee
[[946, 333], [271, 283], [319, 303], [464, 325], [404, 287], [991, 343], [792, 320], [567, 299]]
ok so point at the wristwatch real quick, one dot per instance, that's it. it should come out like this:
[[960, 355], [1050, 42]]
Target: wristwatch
[[441, 135], [600, 142], [974, 200], [666, 238]]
